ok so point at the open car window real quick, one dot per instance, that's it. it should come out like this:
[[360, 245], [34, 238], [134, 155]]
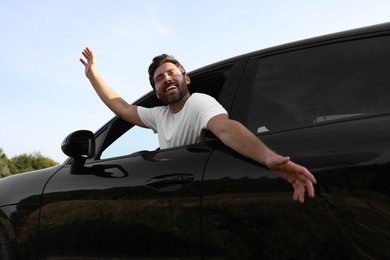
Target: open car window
[[123, 138], [134, 140]]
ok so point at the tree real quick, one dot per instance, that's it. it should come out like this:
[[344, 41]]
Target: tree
[[23, 163], [4, 165], [30, 162]]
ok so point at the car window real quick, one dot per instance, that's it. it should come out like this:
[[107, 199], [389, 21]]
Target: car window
[[321, 84], [136, 139], [123, 138]]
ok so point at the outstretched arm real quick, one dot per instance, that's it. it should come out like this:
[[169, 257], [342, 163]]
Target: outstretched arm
[[113, 101], [236, 136]]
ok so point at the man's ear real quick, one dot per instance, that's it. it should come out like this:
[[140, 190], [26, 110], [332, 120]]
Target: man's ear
[[187, 79]]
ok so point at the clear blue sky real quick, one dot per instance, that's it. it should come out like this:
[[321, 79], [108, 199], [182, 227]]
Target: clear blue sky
[[45, 95]]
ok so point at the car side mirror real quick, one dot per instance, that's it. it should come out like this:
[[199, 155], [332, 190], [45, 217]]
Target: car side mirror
[[80, 146]]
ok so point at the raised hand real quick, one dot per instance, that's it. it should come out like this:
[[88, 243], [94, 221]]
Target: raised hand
[[89, 62]]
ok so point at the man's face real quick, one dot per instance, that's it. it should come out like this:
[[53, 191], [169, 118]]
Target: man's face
[[170, 83]]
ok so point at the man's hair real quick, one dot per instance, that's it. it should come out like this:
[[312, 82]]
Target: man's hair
[[160, 60]]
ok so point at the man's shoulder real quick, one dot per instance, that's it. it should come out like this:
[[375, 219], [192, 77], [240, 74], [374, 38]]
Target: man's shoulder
[[203, 102], [201, 96], [157, 110]]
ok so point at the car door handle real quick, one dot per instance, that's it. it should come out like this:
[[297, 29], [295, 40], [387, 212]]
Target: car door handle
[[169, 182]]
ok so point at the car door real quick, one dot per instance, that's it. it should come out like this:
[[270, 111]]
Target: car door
[[136, 206], [328, 107]]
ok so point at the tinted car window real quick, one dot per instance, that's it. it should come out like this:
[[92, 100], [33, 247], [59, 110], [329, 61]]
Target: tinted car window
[[321, 84]]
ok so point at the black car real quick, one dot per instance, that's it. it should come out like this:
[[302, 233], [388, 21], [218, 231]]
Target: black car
[[324, 101]]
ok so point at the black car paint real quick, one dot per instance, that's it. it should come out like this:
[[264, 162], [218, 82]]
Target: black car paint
[[348, 218], [230, 207], [21, 197]]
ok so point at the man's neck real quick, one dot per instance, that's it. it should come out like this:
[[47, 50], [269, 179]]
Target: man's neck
[[178, 106]]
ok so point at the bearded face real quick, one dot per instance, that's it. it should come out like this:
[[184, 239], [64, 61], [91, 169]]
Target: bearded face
[[171, 84], [174, 92]]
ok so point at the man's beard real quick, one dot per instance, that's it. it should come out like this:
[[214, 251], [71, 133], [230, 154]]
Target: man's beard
[[182, 91]]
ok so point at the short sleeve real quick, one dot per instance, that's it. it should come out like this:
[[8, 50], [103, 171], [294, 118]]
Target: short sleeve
[[208, 108], [148, 117]]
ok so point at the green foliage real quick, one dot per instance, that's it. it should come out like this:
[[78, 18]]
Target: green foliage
[[23, 163], [4, 165]]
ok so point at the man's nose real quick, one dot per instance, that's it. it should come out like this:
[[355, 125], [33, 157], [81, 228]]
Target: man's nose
[[167, 79]]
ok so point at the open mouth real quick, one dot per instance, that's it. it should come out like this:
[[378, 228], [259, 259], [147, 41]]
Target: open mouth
[[170, 88]]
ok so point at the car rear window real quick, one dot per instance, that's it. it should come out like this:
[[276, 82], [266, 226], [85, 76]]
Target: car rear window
[[321, 84]]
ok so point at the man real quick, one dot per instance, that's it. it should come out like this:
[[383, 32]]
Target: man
[[186, 116]]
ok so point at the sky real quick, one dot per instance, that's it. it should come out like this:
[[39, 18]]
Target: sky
[[44, 94]]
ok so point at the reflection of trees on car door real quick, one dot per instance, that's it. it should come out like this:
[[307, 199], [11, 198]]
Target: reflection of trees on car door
[[139, 206]]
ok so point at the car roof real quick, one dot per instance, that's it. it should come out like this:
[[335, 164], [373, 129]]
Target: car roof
[[339, 36], [373, 30]]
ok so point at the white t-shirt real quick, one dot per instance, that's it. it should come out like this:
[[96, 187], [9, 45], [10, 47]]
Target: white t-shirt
[[184, 127]]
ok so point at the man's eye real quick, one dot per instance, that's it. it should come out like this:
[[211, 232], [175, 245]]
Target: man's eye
[[172, 73]]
